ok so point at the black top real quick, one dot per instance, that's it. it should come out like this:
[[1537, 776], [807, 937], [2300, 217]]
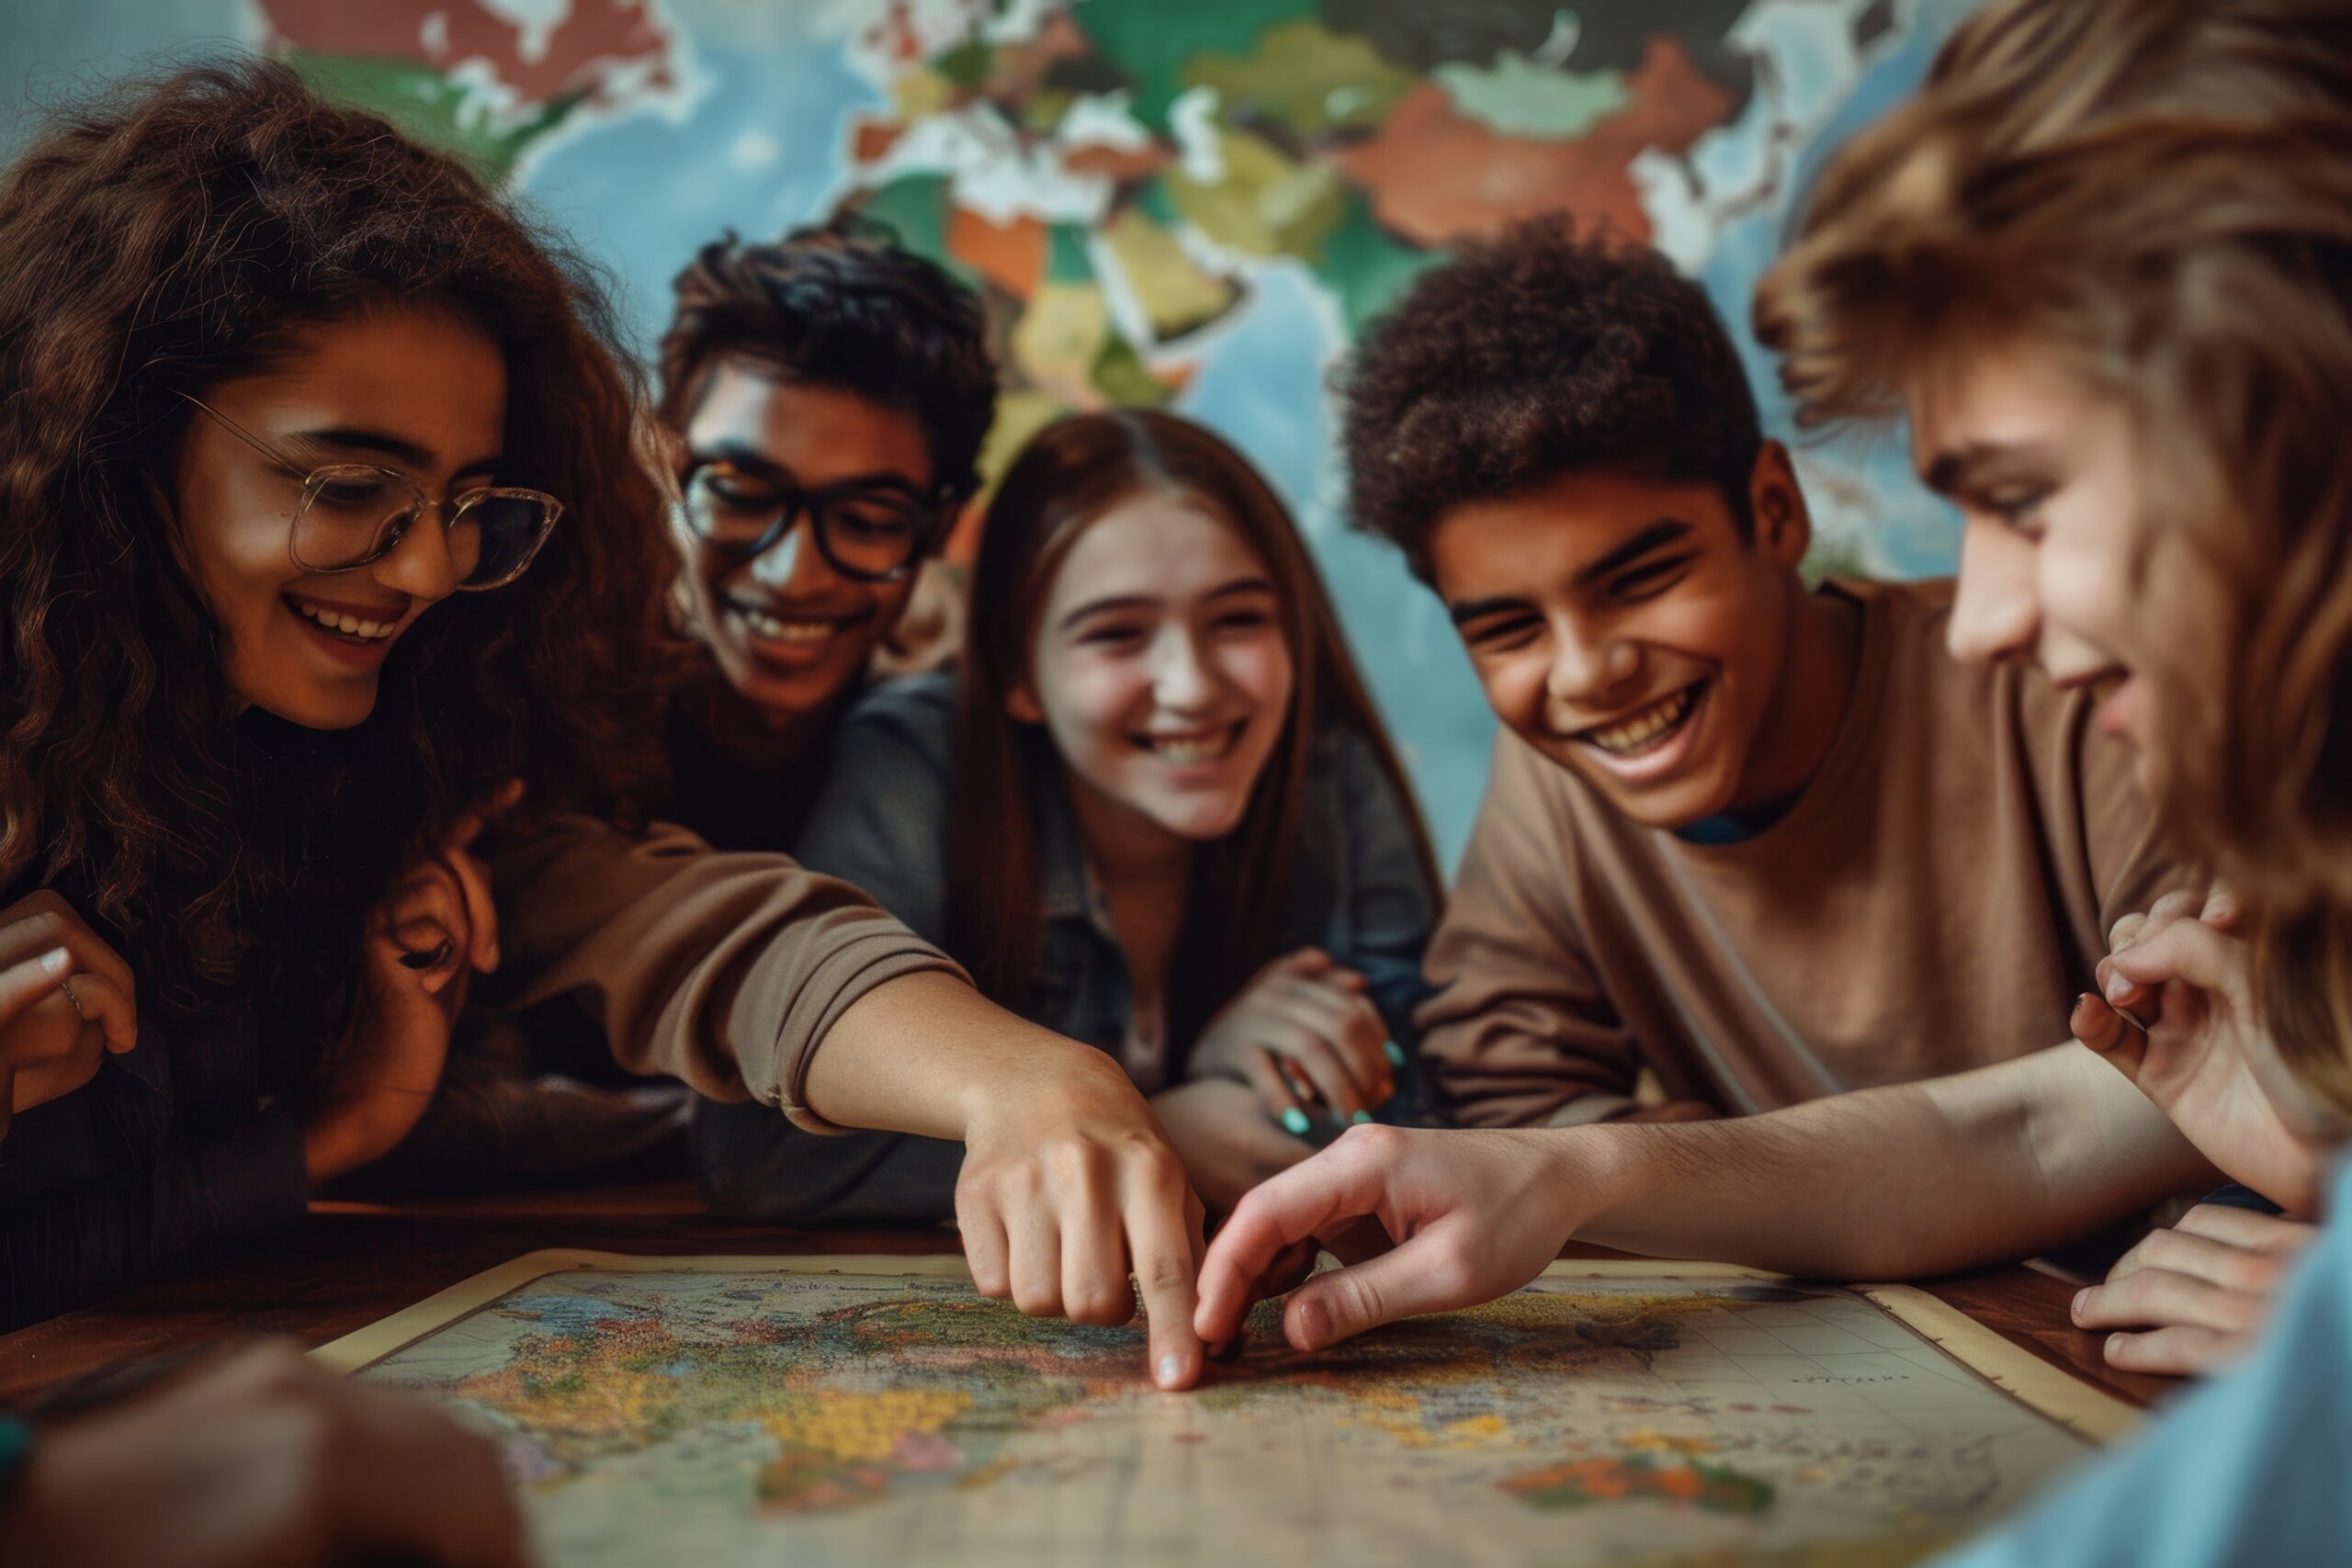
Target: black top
[[177, 1148]]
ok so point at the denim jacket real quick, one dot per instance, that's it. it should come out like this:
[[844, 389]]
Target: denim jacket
[[881, 821]]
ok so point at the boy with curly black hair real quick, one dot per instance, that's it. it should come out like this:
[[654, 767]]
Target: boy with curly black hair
[[1765, 841]]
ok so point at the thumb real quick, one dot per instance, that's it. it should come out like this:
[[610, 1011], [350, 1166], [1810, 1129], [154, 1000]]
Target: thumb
[[1344, 1303], [2099, 1027], [25, 985]]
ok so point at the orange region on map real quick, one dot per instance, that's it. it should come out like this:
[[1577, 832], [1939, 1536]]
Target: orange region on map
[[1435, 176]]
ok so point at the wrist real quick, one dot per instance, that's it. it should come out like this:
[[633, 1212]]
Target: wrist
[[1586, 1173]]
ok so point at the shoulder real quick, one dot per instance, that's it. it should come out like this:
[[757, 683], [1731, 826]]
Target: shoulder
[[897, 723], [917, 708]]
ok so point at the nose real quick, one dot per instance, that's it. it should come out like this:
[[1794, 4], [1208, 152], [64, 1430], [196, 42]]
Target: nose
[[419, 564], [1997, 610], [1181, 678], [794, 563], [1587, 665]]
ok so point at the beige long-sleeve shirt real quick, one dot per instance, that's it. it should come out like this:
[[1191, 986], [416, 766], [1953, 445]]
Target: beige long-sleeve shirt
[[724, 970], [1934, 901]]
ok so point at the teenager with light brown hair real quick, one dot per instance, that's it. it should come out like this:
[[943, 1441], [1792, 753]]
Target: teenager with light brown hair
[[2101, 263]]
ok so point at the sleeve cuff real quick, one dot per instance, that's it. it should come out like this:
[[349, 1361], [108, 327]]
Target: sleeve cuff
[[846, 976]]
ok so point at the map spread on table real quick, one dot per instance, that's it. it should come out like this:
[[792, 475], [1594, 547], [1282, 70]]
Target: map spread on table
[[817, 1411]]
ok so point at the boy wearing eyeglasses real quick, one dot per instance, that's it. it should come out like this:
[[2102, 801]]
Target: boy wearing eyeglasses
[[828, 396], [823, 401]]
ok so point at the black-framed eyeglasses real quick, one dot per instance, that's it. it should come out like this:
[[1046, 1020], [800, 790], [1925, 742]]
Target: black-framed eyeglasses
[[872, 532], [352, 514]]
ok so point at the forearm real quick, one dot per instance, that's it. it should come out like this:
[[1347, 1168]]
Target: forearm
[[921, 1052], [1891, 1183]]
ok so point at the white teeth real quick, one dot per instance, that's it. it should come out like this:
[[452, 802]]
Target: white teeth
[[1644, 726], [349, 625], [1187, 749], [776, 629]]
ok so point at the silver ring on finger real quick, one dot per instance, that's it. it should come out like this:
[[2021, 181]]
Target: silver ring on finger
[[66, 984]]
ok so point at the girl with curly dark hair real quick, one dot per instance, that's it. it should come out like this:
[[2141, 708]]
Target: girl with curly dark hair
[[324, 535]]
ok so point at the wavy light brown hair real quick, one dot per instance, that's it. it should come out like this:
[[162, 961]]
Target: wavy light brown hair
[[1070, 475], [2160, 192], [159, 240]]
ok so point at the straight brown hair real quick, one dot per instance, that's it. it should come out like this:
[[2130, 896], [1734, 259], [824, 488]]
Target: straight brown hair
[[1073, 473]]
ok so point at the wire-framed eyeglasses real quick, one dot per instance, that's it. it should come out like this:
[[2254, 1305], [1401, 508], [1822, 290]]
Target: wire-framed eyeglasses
[[352, 514]]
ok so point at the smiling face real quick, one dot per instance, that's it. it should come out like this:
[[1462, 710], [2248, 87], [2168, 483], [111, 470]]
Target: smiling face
[[1160, 668], [1624, 628], [399, 386], [790, 633], [2055, 566]]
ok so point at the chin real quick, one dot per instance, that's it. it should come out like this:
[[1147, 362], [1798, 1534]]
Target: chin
[[1203, 824], [322, 713]]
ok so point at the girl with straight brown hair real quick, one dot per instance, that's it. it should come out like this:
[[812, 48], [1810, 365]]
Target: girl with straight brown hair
[[1157, 811]]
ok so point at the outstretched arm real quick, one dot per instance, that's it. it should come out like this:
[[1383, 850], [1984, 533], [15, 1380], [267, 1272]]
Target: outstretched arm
[[1887, 1183]]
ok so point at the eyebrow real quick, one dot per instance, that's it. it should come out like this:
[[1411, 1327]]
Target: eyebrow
[[383, 443], [1971, 467], [1665, 531], [751, 460], [1238, 586]]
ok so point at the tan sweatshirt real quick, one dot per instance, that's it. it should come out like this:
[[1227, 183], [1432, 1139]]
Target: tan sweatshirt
[[724, 970], [1934, 901]]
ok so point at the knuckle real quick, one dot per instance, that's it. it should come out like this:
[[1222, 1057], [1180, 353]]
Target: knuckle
[[1099, 1305], [1376, 1142], [1166, 1272], [1037, 1301]]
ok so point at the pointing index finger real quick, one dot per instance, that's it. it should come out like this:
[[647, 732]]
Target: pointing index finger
[[1163, 1243]]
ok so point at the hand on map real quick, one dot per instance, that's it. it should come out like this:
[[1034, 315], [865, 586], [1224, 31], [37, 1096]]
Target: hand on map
[[1439, 1219], [1302, 1020], [66, 999], [2193, 1297], [2178, 1017], [1068, 1187], [264, 1458], [434, 929]]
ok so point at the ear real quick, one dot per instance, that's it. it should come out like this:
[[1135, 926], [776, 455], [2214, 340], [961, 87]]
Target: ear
[[1776, 502], [1021, 704]]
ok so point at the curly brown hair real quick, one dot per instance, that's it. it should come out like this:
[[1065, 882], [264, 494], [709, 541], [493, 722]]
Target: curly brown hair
[[160, 239], [1532, 355], [2159, 193]]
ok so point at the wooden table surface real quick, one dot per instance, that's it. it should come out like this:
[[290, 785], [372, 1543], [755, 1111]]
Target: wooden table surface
[[352, 1264]]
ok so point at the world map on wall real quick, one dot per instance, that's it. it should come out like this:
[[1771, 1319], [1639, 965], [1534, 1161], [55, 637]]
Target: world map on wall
[[1193, 205]]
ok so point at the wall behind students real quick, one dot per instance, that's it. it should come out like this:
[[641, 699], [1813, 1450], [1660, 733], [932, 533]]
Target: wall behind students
[[1188, 202]]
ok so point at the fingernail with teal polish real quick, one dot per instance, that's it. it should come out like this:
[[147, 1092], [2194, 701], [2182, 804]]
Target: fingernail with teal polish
[[1295, 1121], [1360, 1117], [1394, 1051]]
